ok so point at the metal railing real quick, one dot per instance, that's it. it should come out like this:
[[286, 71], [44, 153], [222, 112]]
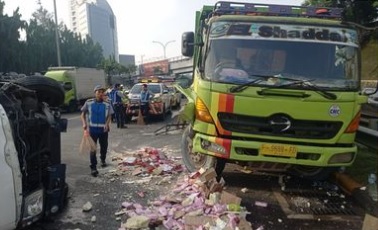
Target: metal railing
[[368, 132]]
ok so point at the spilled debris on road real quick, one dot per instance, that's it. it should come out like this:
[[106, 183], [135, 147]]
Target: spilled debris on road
[[192, 201]]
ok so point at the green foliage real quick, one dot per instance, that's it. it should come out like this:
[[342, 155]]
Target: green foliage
[[38, 50], [359, 11], [10, 46], [111, 68]]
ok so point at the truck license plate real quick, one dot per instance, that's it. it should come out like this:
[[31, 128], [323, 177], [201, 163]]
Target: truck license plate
[[278, 150]]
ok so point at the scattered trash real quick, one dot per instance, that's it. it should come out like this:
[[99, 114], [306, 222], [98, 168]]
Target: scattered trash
[[136, 222], [196, 201], [87, 207], [261, 204], [244, 190], [149, 161]]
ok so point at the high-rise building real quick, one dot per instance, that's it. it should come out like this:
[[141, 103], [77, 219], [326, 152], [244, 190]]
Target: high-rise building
[[96, 19]]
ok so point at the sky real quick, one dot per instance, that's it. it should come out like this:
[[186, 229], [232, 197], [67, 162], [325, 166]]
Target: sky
[[140, 22]]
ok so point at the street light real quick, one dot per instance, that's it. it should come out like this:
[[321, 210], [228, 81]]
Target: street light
[[57, 36], [164, 45]]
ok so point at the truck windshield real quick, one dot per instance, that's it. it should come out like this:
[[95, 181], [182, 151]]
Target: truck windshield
[[239, 59]]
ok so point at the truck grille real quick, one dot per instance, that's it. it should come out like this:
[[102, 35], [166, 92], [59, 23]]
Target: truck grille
[[263, 126]]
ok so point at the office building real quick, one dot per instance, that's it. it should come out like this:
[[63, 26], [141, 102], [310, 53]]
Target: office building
[[96, 19]]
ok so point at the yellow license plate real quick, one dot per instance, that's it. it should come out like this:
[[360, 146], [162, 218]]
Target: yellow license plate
[[278, 150]]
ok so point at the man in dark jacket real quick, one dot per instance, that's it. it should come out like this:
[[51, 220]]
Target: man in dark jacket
[[116, 97]]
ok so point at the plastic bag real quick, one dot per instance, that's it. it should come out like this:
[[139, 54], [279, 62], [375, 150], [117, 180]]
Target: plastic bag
[[87, 144]]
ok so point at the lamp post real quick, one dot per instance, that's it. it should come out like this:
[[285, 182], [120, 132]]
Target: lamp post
[[57, 36], [164, 46]]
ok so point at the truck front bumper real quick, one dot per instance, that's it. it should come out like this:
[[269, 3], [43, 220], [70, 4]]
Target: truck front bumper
[[246, 150]]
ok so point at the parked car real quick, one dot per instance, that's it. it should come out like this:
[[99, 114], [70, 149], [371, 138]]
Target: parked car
[[160, 101], [176, 97]]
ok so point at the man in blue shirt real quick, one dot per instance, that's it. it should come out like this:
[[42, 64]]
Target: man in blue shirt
[[97, 123], [116, 97], [145, 101]]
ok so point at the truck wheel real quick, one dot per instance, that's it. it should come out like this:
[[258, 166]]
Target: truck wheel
[[194, 161], [48, 90], [312, 173]]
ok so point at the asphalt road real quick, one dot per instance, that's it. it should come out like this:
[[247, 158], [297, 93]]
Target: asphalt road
[[289, 209]]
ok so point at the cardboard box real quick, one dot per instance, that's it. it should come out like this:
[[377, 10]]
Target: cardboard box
[[208, 175], [192, 222], [229, 198]]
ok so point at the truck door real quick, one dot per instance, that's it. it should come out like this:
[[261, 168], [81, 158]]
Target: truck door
[[10, 177]]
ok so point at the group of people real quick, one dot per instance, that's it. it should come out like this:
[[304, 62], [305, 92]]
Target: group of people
[[96, 117]]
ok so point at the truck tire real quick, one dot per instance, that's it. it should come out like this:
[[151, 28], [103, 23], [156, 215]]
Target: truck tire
[[312, 173], [48, 90], [194, 161]]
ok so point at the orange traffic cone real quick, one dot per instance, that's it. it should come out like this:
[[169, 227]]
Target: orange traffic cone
[[140, 120]]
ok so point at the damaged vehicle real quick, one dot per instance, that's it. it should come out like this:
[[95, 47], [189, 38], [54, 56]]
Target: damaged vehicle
[[275, 88], [32, 175]]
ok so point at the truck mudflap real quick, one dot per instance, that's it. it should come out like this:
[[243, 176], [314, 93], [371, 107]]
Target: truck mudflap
[[244, 150]]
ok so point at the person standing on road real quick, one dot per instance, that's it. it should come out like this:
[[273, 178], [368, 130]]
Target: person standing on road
[[145, 101], [97, 123], [116, 97]]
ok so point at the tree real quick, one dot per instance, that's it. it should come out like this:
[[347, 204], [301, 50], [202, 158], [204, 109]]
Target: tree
[[10, 44], [38, 51], [359, 11]]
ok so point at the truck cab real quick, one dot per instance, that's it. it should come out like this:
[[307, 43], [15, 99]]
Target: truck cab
[[32, 175], [274, 86]]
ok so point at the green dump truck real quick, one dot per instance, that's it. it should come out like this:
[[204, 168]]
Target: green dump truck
[[275, 87], [78, 84]]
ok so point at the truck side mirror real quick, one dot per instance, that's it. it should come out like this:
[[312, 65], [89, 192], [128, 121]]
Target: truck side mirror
[[187, 44]]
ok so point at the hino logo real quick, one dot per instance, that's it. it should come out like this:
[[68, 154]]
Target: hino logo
[[280, 123]]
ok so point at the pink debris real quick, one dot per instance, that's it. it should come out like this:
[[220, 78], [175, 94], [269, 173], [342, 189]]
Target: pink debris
[[127, 205], [141, 194], [157, 202], [187, 199], [137, 206], [163, 211]]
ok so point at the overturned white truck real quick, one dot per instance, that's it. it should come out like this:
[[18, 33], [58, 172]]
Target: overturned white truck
[[32, 177]]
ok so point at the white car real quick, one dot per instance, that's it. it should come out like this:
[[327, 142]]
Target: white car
[[160, 101]]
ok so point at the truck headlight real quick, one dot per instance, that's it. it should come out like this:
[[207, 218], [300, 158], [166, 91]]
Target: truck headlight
[[33, 206], [212, 147]]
